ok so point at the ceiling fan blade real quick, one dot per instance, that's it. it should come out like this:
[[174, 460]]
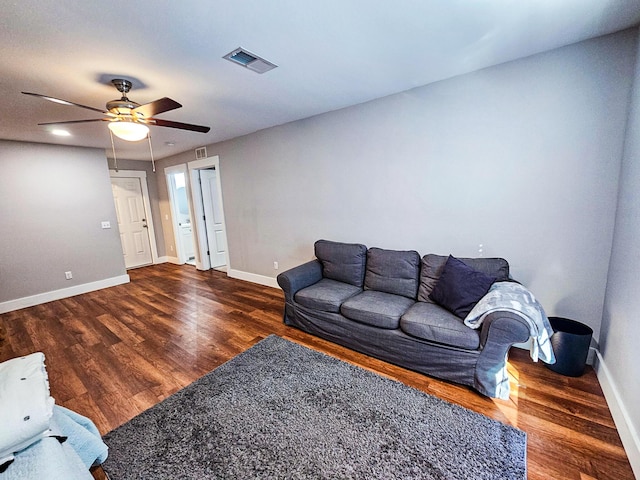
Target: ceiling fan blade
[[158, 106], [183, 126], [66, 102], [77, 121]]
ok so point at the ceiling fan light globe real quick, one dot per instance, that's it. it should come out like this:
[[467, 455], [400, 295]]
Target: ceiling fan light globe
[[129, 131]]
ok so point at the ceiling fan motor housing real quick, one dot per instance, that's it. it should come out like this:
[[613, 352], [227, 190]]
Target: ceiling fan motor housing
[[122, 106], [123, 86]]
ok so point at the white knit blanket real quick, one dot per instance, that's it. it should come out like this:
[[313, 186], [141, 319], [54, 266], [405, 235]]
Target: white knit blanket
[[514, 298]]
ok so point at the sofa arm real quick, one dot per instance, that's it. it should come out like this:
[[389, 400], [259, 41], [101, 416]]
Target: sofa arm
[[504, 328], [299, 277], [500, 330]]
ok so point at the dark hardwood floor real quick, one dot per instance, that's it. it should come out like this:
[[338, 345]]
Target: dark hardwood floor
[[113, 353]]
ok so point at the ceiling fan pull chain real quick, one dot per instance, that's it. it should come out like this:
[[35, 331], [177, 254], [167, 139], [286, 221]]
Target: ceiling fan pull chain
[[153, 163], [113, 148]]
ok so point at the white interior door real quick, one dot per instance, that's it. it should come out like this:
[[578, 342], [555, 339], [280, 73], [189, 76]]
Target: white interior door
[[214, 219], [132, 221]]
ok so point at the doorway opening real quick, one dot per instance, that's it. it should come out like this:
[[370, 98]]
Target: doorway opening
[[177, 186]]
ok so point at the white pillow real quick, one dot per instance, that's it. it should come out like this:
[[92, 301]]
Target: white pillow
[[25, 404]]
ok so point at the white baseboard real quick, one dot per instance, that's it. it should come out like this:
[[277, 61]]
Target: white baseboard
[[620, 414], [167, 259], [591, 356], [45, 297], [253, 278], [239, 274]]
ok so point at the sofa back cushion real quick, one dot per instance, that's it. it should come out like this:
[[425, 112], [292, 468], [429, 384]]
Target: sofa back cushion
[[432, 266], [343, 262], [393, 271]]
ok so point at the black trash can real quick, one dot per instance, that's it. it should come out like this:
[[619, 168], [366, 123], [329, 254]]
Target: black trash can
[[570, 342]]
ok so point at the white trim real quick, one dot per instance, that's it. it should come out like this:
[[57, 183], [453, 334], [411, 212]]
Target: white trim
[[174, 260], [591, 356], [45, 297], [202, 260], [199, 227], [142, 175], [253, 278], [620, 414], [166, 259], [208, 162]]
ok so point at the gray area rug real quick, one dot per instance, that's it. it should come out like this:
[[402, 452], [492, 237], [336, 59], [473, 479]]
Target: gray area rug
[[280, 410]]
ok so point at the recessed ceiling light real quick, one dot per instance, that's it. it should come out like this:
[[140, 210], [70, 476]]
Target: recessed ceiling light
[[60, 133]]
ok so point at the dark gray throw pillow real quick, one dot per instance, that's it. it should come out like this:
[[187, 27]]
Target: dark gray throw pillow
[[460, 287]]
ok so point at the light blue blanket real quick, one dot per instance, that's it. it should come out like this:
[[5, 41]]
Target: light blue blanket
[[52, 459], [515, 298]]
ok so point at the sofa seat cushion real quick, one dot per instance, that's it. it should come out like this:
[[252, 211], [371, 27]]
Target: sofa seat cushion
[[378, 309], [326, 295], [431, 322]]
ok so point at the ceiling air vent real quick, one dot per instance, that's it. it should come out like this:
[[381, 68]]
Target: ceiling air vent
[[201, 153], [249, 60]]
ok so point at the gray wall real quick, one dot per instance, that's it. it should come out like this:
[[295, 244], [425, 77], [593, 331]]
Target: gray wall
[[620, 324], [52, 202], [522, 158]]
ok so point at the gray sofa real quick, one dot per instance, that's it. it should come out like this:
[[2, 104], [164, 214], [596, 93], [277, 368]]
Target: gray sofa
[[380, 302]]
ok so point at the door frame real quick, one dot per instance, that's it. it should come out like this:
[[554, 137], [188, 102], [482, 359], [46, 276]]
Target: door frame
[[177, 238], [141, 175], [202, 259]]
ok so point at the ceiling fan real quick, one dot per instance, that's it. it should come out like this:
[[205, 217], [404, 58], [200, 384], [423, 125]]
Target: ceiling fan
[[127, 119]]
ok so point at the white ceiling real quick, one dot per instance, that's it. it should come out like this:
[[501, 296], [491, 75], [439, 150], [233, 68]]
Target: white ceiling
[[330, 53]]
